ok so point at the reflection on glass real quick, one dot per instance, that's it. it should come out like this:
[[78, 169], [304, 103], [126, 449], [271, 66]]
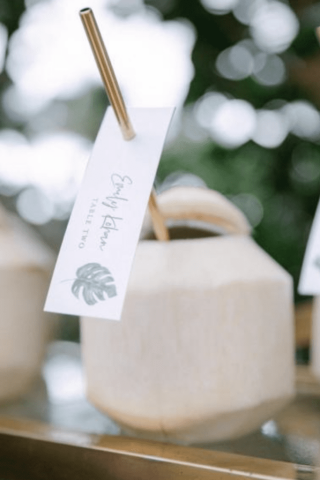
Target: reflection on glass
[[270, 429], [68, 406], [63, 373]]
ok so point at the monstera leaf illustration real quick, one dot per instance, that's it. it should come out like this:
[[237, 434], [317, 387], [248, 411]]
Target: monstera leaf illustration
[[94, 281]]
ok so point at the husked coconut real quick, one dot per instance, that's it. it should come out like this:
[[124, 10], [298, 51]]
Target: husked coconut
[[25, 268], [205, 348]]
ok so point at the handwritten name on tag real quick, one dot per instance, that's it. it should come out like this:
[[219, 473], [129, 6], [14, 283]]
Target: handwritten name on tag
[[95, 259], [309, 283]]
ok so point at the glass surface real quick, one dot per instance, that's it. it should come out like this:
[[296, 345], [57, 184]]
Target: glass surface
[[58, 398]]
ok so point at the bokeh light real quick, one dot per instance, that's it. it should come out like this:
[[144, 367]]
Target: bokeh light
[[253, 66], [191, 128], [271, 128], [306, 164], [219, 7], [244, 10], [48, 169], [273, 26], [3, 44], [251, 207], [206, 107], [34, 206], [269, 70], [14, 150], [141, 47], [304, 119], [233, 123], [235, 63], [21, 107]]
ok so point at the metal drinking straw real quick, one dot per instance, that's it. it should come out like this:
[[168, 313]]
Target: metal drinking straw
[[114, 94]]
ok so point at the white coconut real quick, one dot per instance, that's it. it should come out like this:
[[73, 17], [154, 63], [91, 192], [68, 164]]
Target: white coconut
[[25, 268], [205, 348]]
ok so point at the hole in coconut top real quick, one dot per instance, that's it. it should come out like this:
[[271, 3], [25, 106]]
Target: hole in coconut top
[[187, 229]]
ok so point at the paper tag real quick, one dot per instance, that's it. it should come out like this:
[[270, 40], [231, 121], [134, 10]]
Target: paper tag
[[95, 259], [309, 283]]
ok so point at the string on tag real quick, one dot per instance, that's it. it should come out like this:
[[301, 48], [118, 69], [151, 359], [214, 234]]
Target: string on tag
[[115, 97]]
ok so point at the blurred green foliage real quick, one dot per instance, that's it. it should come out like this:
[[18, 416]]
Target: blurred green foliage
[[289, 200]]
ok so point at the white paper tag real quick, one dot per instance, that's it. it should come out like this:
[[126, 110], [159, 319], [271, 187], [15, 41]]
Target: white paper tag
[[95, 259], [309, 283]]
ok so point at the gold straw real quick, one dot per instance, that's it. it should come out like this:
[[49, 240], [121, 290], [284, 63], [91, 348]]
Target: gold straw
[[106, 71], [113, 91], [159, 226], [318, 33]]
